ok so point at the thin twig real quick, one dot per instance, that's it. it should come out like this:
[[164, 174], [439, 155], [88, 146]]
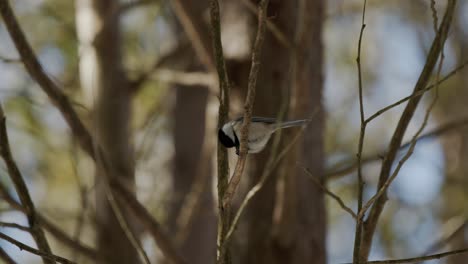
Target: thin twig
[[379, 155], [16, 226], [124, 224], [275, 30], [330, 193], [154, 228], [251, 88], [446, 238], [418, 259], [259, 185], [9, 60], [359, 227], [35, 70], [417, 93], [45, 255], [22, 190], [193, 27], [67, 240]]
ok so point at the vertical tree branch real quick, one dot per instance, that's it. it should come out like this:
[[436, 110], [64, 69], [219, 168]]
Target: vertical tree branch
[[357, 236], [436, 48], [256, 53], [222, 155], [23, 192]]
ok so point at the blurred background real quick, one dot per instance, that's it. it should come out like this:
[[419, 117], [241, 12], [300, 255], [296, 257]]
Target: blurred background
[[168, 122]]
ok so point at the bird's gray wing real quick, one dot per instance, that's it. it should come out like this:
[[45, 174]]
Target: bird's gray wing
[[266, 120]]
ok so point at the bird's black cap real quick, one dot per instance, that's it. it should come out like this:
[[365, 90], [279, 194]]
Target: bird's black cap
[[225, 139]]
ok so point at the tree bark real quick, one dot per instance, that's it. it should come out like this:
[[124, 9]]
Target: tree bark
[[456, 147], [199, 243], [287, 217], [107, 88]]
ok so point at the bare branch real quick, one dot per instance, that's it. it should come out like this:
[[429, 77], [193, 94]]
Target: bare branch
[[66, 240], [45, 255], [417, 93], [377, 156], [330, 193], [127, 6], [359, 227], [186, 78], [15, 225], [22, 190], [164, 243], [256, 52], [55, 231], [35, 70], [271, 165], [446, 238], [436, 48], [224, 213], [195, 32], [9, 60], [277, 33], [418, 259]]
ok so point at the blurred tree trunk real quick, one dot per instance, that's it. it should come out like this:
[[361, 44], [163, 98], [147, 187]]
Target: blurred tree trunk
[[287, 217], [301, 225], [456, 149], [199, 245], [192, 173], [102, 75]]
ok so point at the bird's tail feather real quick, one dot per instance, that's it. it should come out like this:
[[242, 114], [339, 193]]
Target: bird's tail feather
[[293, 123]]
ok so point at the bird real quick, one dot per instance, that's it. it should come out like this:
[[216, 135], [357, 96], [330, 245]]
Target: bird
[[260, 131]]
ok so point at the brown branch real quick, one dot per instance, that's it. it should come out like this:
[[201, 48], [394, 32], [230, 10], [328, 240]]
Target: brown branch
[[418, 93], [195, 32], [162, 61], [139, 211], [67, 240], [378, 156], [244, 132], [446, 238], [418, 259], [35, 70], [22, 190], [55, 231], [271, 165], [45, 255], [275, 31], [186, 78], [125, 7], [5, 257], [224, 213], [330, 193], [436, 48], [16, 226], [359, 227], [9, 60]]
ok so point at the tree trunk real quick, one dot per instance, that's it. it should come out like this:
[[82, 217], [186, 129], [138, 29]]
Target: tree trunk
[[452, 107], [199, 242], [102, 74], [301, 228], [287, 217]]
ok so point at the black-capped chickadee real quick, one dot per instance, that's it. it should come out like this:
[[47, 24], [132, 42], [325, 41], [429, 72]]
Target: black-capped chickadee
[[260, 131]]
